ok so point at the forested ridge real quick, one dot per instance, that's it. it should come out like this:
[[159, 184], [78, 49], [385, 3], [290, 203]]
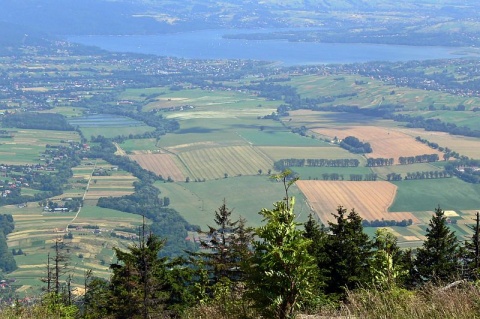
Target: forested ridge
[[281, 269]]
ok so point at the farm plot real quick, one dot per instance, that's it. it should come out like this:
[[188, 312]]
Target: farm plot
[[105, 186], [214, 163], [385, 142], [161, 164], [370, 199], [468, 146], [26, 145]]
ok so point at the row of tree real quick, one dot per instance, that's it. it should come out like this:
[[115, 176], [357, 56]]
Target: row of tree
[[282, 164], [425, 158], [373, 162]]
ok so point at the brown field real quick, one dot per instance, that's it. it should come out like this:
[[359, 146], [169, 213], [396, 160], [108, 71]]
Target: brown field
[[213, 163], [370, 199], [161, 164], [385, 142], [468, 146]]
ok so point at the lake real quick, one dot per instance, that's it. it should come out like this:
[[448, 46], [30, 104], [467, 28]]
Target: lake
[[209, 44]]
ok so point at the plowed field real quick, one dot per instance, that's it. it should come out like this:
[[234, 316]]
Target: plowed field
[[370, 199]]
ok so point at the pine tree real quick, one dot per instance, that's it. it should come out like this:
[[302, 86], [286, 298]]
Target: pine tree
[[437, 259], [349, 251]]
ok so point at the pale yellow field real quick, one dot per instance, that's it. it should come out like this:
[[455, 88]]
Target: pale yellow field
[[468, 146], [161, 164], [369, 199], [385, 142]]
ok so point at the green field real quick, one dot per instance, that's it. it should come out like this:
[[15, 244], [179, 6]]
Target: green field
[[246, 195], [425, 195], [317, 172]]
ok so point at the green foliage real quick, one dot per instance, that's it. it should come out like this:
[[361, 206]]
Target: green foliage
[[437, 259], [349, 252], [139, 282], [281, 275], [225, 246], [386, 269]]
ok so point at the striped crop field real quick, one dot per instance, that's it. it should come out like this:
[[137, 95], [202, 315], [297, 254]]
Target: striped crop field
[[215, 162], [385, 142], [164, 165], [371, 200]]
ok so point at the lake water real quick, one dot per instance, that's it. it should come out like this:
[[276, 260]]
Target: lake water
[[209, 44]]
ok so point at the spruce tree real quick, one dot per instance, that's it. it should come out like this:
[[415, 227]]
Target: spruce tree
[[471, 252], [437, 259], [318, 235], [225, 246], [349, 251], [140, 283]]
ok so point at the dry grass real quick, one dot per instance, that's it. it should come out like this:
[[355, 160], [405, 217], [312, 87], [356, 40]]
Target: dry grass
[[430, 302]]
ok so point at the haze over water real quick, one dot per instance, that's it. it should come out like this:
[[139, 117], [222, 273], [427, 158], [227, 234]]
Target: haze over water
[[209, 44]]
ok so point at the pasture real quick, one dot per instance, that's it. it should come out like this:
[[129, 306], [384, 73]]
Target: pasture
[[370, 200]]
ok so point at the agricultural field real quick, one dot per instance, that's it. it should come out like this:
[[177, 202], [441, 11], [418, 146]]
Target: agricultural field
[[165, 165], [425, 195], [246, 195], [215, 162], [386, 143], [467, 146], [370, 200], [108, 125], [368, 92], [26, 146]]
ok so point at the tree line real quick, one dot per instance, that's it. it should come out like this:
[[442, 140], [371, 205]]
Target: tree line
[[282, 164], [425, 158]]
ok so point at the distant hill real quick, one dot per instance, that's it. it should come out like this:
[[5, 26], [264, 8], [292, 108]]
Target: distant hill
[[75, 17]]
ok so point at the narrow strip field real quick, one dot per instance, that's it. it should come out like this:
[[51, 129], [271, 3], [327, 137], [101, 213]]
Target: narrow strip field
[[214, 163], [370, 199], [164, 165]]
